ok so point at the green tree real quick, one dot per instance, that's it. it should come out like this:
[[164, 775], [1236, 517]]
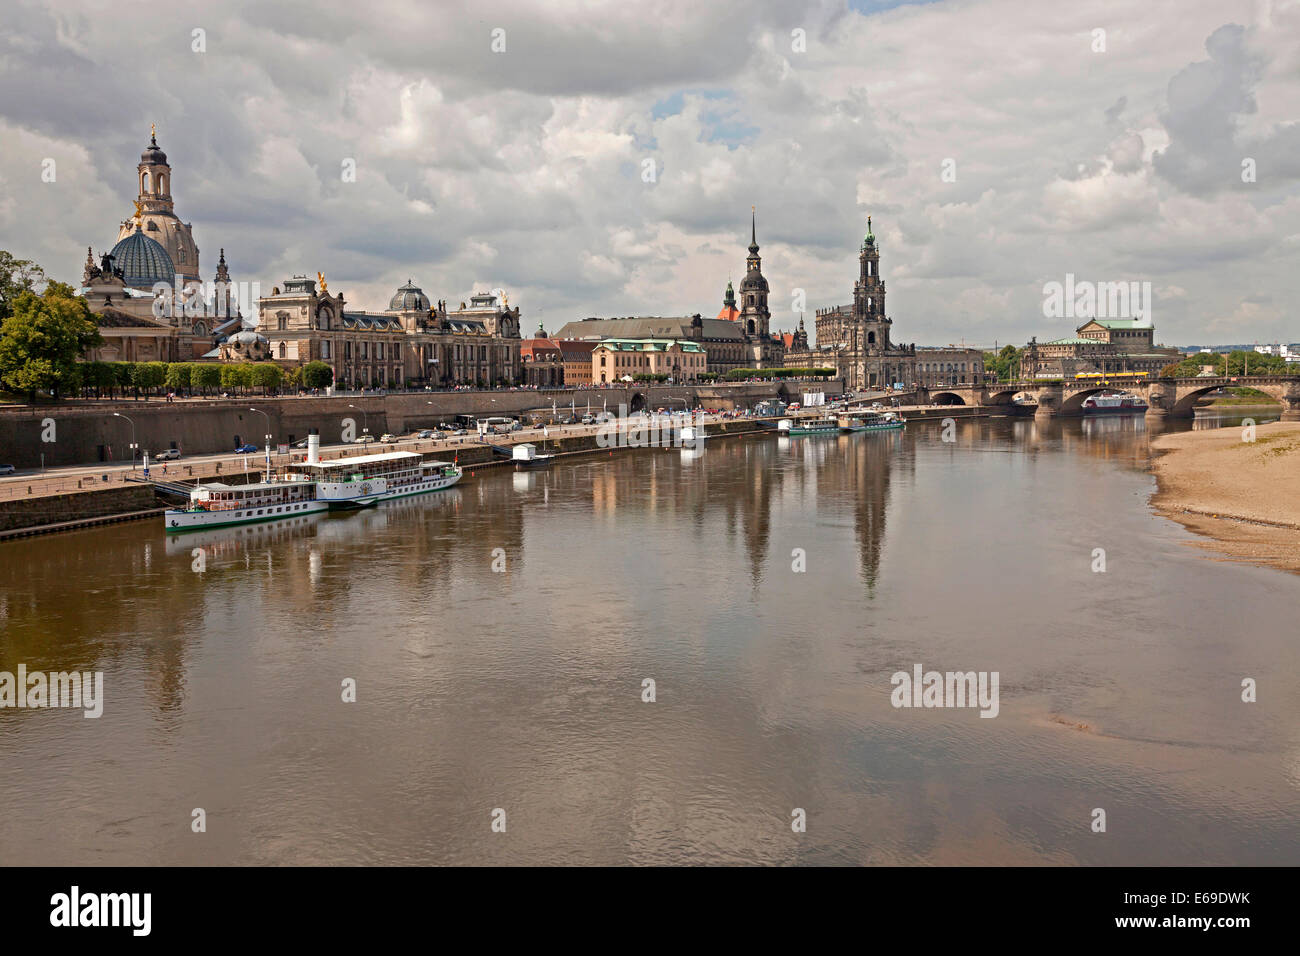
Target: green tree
[[178, 376], [16, 276], [206, 376], [148, 375], [1004, 363], [235, 377], [42, 339], [317, 375], [100, 376], [266, 375]]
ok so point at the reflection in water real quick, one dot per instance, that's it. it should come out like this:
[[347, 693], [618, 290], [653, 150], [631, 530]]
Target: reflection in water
[[499, 633]]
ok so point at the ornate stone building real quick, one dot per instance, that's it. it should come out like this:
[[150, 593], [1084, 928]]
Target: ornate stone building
[[950, 365], [412, 342], [1099, 345], [613, 360], [133, 288], [855, 339], [541, 360]]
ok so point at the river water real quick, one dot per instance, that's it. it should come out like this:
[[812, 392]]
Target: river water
[[499, 634]]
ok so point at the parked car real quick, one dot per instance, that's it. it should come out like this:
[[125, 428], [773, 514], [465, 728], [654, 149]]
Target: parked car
[[300, 443], [516, 426], [588, 419], [426, 433], [438, 436], [245, 449], [460, 431], [387, 438], [168, 454], [363, 440], [6, 469]]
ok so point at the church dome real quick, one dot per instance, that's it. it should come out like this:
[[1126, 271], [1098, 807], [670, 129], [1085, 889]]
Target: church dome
[[152, 154], [143, 261], [753, 282], [409, 298]]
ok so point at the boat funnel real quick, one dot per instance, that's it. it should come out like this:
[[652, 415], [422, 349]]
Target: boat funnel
[[313, 447]]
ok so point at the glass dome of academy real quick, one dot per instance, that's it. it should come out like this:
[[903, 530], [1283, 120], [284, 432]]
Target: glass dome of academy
[[143, 261]]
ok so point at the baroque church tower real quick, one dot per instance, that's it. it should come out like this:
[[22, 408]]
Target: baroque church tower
[[872, 325], [754, 314], [157, 216]]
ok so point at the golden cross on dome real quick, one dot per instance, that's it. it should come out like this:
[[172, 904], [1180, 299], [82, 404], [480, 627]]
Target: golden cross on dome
[[153, 131]]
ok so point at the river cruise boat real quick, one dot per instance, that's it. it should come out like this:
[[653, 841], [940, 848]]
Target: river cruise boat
[[1114, 403], [346, 484], [312, 486], [871, 422], [217, 505], [808, 426]]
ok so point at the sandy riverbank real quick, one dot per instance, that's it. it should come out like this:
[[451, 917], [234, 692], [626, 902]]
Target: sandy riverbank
[[1245, 496]]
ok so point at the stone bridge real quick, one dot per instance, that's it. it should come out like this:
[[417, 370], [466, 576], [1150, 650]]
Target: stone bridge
[[1165, 397]]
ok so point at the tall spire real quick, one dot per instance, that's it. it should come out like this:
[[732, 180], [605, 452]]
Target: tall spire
[[753, 230]]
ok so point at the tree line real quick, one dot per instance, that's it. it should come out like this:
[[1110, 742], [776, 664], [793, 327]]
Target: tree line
[[1236, 362], [111, 379]]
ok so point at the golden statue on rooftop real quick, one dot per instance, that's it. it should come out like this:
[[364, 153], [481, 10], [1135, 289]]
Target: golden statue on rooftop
[[139, 210], [320, 277]]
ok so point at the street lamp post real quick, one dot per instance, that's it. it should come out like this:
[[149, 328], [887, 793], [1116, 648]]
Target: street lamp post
[[268, 424], [134, 446], [365, 420], [268, 439]]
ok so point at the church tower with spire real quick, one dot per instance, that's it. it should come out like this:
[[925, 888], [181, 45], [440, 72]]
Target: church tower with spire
[[872, 325], [754, 314], [157, 215]]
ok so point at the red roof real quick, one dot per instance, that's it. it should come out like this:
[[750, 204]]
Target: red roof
[[788, 339], [730, 313], [540, 350]]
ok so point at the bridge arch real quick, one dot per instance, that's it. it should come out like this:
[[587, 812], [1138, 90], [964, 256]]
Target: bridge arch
[[1005, 396], [1185, 406], [636, 403], [946, 398], [1073, 402]]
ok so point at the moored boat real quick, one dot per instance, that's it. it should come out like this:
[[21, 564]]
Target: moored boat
[[314, 485], [524, 456], [872, 422], [1113, 403], [808, 426]]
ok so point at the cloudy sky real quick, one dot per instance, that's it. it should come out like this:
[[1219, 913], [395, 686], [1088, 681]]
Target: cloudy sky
[[525, 167]]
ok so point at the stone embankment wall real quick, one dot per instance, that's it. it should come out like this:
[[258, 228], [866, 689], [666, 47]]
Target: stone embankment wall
[[77, 506], [89, 433]]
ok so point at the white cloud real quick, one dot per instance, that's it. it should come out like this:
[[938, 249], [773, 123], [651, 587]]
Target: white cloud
[[523, 169]]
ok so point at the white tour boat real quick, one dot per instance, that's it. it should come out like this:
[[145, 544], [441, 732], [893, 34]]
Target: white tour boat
[[312, 486]]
